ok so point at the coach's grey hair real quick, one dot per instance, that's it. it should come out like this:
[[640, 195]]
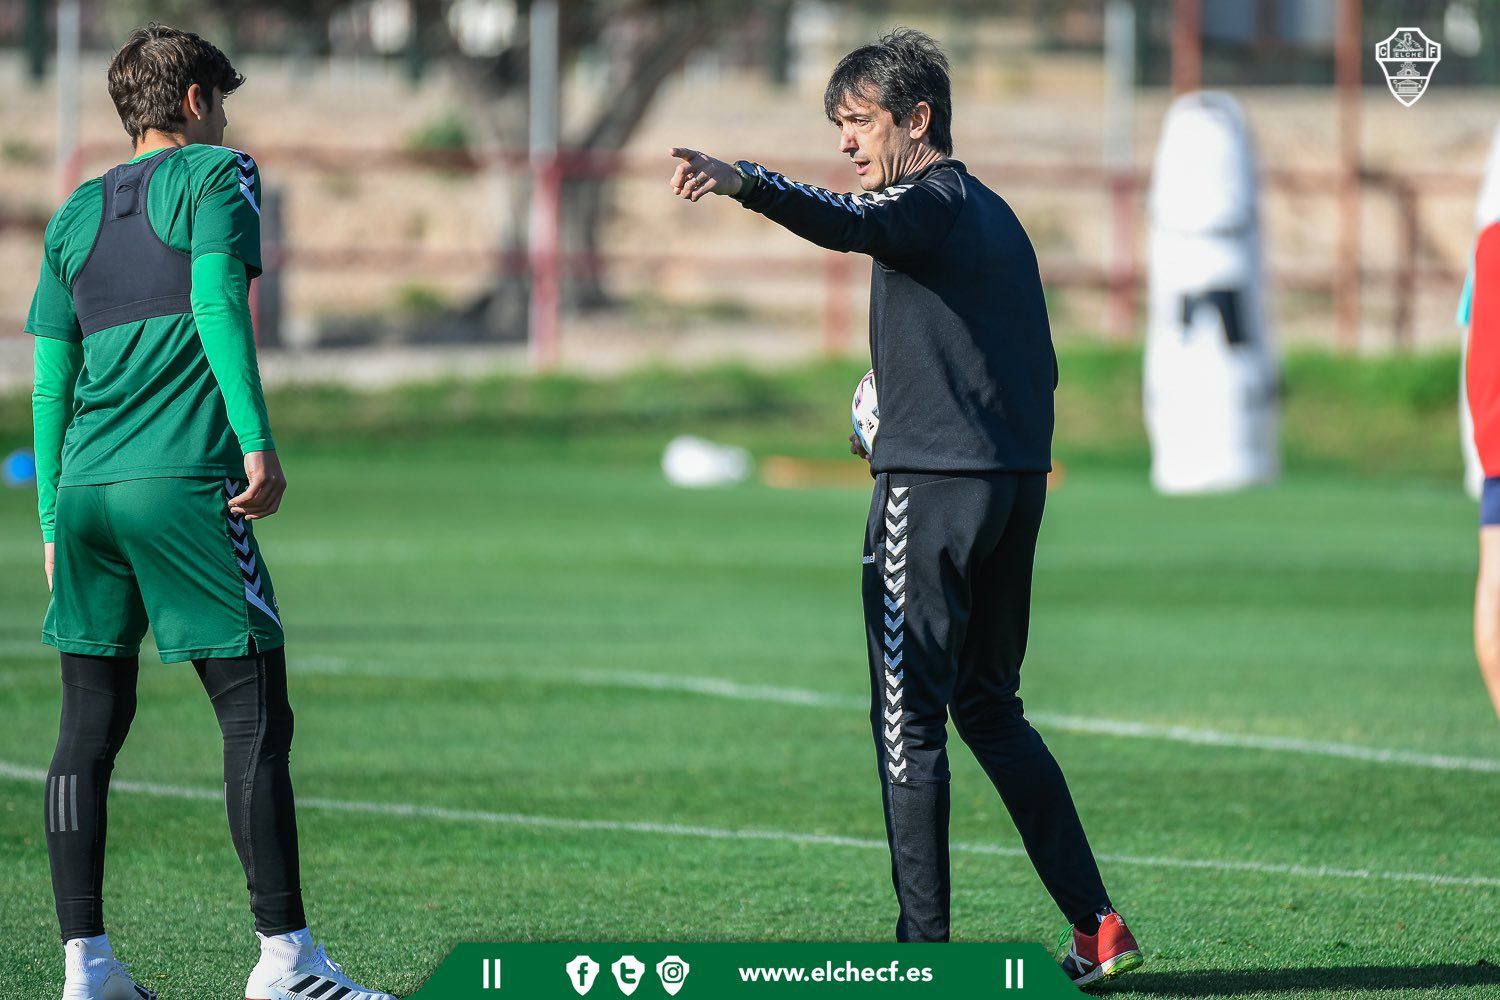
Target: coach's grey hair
[[898, 70]]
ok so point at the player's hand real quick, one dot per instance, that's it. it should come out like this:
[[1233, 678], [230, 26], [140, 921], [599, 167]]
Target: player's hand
[[855, 448], [266, 484], [699, 174], [48, 551]]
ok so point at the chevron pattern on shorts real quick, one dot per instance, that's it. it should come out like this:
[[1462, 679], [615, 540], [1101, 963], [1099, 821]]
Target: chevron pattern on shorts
[[244, 554], [893, 579]]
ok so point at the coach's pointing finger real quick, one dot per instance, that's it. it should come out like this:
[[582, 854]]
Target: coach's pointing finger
[[684, 169], [699, 174]]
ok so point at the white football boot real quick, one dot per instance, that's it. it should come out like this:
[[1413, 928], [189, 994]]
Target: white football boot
[[95, 974], [294, 967]]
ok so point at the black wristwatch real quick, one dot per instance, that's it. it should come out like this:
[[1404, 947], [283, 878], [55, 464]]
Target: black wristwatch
[[747, 179]]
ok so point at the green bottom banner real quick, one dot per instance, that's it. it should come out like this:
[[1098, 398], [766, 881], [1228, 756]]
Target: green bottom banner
[[656, 969]]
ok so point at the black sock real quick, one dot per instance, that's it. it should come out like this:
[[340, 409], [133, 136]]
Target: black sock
[[250, 698], [98, 703], [1090, 925]]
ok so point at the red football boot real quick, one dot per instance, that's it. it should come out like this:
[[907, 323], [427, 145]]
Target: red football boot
[[1092, 957]]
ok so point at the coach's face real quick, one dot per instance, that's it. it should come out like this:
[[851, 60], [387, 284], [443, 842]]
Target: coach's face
[[882, 149]]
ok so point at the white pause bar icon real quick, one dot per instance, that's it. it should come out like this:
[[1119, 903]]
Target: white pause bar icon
[[492, 973], [1015, 974]]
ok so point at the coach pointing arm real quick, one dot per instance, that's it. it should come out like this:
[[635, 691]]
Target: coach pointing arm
[[890, 220], [894, 120]]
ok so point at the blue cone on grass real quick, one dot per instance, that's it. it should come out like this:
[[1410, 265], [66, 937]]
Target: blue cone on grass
[[19, 470]]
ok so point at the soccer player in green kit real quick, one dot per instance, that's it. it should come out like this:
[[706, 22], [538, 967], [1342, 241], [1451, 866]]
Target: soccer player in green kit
[[154, 454]]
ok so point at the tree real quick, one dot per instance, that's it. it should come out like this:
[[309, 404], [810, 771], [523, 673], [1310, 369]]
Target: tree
[[643, 42]]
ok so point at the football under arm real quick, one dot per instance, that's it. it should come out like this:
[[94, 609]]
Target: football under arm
[[57, 366], [221, 309]]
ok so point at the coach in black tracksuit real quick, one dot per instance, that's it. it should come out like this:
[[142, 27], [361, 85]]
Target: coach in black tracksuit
[[965, 371]]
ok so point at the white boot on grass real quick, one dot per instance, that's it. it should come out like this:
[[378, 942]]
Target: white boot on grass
[[95, 974], [294, 967]]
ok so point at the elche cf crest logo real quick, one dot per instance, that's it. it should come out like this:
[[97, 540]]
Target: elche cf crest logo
[[1407, 58]]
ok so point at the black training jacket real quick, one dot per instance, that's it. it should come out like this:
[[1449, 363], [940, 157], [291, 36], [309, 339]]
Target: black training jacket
[[959, 339]]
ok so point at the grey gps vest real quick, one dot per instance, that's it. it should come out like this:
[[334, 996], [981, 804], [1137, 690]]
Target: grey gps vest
[[130, 274]]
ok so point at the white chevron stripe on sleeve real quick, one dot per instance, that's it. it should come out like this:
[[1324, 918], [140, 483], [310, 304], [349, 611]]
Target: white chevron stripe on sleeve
[[854, 203]]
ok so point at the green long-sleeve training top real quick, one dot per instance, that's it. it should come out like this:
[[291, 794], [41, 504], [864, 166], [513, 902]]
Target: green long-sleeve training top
[[174, 395]]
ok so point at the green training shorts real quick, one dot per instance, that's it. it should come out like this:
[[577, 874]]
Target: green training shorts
[[163, 552]]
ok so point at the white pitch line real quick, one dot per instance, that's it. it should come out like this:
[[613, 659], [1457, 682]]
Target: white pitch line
[[720, 688], [1280, 744], [408, 810], [717, 687]]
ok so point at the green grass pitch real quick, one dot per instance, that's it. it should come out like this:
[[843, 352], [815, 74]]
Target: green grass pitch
[[518, 660]]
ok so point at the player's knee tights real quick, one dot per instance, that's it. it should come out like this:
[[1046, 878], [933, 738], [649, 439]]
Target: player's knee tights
[[249, 695], [98, 705]]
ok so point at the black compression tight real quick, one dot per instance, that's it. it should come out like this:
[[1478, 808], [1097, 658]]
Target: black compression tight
[[249, 696], [99, 701], [97, 706]]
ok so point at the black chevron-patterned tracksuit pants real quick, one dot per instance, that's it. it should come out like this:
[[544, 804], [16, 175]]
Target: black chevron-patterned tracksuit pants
[[947, 595]]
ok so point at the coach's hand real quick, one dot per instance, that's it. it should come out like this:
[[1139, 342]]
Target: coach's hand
[[48, 550], [855, 448], [699, 174], [262, 497]]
